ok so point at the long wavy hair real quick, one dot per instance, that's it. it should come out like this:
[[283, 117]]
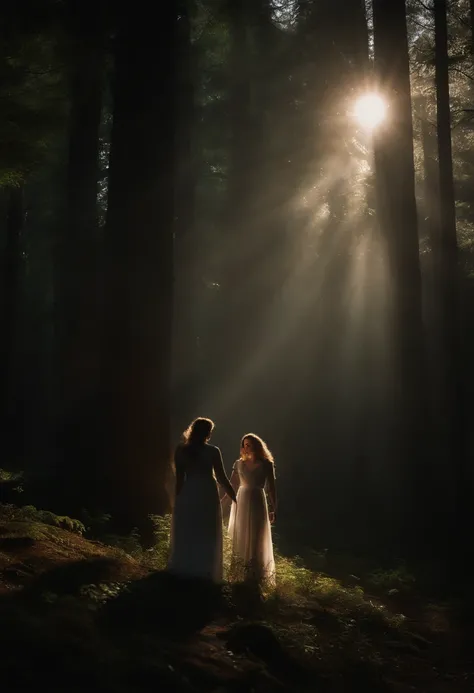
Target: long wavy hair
[[260, 447], [198, 432]]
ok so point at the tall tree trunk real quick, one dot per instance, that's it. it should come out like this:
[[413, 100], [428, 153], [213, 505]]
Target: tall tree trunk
[[11, 443], [139, 291], [447, 264], [188, 259], [471, 8], [357, 37], [430, 172], [429, 213], [248, 205], [239, 188], [78, 298], [398, 221], [227, 359]]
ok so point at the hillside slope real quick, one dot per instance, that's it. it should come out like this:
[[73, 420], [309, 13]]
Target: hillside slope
[[80, 616]]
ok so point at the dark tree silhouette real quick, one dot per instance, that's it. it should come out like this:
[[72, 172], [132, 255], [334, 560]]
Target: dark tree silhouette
[[187, 253], [397, 213], [77, 253], [139, 266], [453, 414], [10, 293]]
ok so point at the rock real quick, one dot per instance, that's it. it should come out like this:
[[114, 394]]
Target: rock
[[257, 638]]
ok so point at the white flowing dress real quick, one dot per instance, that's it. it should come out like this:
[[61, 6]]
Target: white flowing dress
[[196, 530], [249, 525]]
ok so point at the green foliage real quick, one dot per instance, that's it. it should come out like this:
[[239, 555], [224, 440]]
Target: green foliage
[[399, 579], [10, 476], [310, 624], [95, 523], [297, 584], [32, 104], [28, 513], [130, 543], [157, 557], [461, 82], [97, 595]]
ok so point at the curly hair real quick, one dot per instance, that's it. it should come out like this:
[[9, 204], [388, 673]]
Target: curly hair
[[260, 447], [198, 431]]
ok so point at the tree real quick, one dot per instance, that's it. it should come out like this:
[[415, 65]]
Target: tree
[[187, 255], [471, 9], [77, 250], [397, 212], [11, 273], [31, 112], [139, 267], [447, 264]]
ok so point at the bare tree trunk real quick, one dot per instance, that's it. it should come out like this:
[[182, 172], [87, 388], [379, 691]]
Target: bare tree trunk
[[429, 212], [471, 8], [78, 295], [188, 259], [447, 264], [10, 307], [430, 172], [399, 225], [228, 358], [139, 290]]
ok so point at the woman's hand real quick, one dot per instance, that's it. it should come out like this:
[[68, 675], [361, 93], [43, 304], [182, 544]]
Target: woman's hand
[[272, 517]]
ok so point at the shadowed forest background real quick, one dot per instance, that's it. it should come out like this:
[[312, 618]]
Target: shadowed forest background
[[193, 222]]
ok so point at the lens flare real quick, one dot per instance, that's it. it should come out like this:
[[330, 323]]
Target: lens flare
[[370, 110]]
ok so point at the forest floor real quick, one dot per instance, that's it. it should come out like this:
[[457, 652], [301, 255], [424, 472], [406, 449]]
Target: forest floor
[[77, 615]]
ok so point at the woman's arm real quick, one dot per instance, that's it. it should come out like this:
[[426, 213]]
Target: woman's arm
[[235, 478], [221, 476], [271, 488], [179, 467], [235, 483]]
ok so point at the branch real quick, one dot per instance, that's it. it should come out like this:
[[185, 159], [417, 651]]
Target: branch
[[461, 72], [427, 7]]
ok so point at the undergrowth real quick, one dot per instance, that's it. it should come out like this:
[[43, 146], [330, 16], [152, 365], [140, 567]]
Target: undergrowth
[[28, 513], [10, 476], [296, 584], [393, 580], [338, 631]]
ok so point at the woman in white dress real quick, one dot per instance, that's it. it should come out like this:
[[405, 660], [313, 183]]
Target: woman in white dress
[[196, 531], [249, 524]]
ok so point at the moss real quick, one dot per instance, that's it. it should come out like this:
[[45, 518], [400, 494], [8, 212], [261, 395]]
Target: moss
[[108, 623], [28, 513]]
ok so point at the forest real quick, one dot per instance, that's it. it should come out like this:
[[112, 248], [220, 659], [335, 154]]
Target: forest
[[257, 211]]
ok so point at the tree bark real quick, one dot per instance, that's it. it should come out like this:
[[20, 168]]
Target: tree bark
[[397, 214], [429, 213], [78, 292], [188, 291], [247, 209], [226, 352], [139, 290], [10, 307], [447, 263], [471, 8]]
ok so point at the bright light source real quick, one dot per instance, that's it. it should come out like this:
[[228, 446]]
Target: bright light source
[[370, 110]]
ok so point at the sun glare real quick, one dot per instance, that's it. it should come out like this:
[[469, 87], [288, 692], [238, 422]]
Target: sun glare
[[370, 110]]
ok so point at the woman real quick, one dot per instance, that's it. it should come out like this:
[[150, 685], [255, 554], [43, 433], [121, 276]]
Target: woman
[[249, 524], [196, 531]]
